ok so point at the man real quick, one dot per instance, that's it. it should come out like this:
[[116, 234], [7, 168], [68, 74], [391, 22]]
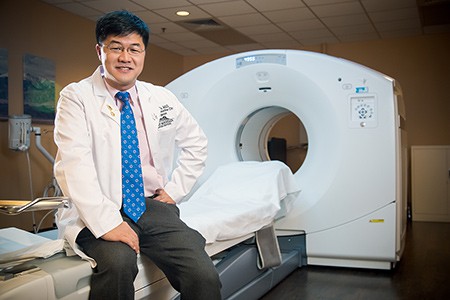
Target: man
[[96, 121]]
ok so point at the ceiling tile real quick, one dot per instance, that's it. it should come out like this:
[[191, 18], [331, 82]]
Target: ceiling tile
[[324, 2], [205, 1], [56, 1], [108, 6], [228, 8], [386, 5], [339, 9], [159, 4], [267, 5], [348, 20], [157, 39], [287, 15], [358, 37], [166, 28], [79, 9], [348, 30], [306, 21], [150, 17], [244, 20], [309, 34], [395, 14], [181, 36], [170, 45], [272, 37], [302, 25], [259, 29]]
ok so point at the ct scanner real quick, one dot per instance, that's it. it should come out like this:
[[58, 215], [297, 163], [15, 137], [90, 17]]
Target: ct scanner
[[351, 210], [352, 205]]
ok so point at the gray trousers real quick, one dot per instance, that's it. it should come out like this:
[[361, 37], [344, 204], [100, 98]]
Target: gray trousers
[[174, 247]]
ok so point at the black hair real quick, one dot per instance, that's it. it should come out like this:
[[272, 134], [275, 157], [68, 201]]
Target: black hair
[[121, 23]]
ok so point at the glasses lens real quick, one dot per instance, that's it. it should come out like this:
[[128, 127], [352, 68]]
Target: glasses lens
[[118, 48]]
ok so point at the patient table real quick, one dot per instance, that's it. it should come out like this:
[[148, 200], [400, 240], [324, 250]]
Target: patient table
[[249, 257]]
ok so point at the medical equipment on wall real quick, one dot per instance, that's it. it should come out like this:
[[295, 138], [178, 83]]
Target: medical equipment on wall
[[19, 133], [19, 130], [353, 180]]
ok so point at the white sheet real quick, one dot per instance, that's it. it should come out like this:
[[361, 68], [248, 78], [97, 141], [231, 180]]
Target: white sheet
[[17, 246], [238, 198]]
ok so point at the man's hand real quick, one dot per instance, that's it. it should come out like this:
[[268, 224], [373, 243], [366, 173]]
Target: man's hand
[[163, 197], [123, 233]]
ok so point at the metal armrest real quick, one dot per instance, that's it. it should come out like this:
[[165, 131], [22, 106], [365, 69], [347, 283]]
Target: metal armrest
[[15, 207]]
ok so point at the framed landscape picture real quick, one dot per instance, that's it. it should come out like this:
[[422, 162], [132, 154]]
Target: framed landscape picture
[[3, 83], [39, 88]]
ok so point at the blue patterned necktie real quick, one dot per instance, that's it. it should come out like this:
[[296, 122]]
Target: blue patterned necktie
[[133, 201]]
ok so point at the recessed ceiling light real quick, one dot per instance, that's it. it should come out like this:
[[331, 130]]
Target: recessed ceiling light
[[182, 13]]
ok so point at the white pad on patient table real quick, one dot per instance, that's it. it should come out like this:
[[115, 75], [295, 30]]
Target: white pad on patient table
[[239, 198], [17, 245]]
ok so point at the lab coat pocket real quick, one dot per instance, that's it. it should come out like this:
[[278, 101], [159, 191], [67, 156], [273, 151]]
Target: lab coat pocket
[[166, 138]]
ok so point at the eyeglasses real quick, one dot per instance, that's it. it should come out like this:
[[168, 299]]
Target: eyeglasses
[[117, 48]]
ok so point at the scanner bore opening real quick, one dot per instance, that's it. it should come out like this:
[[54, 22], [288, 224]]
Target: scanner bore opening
[[273, 133]]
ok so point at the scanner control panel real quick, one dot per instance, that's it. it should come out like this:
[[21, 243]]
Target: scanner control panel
[[363, 111]]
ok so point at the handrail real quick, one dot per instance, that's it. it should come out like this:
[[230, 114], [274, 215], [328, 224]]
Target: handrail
[[15, 207]]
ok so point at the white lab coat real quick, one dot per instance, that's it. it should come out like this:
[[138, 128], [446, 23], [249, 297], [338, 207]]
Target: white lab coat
[[88, 162]]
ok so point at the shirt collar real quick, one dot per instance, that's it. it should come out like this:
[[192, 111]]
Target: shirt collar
[[113, 92]]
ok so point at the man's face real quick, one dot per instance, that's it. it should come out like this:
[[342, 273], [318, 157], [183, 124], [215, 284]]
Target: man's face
[[122, 58]]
